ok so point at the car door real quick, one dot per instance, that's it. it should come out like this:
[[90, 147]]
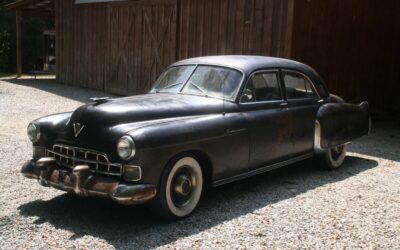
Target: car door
[[268, 119], [303, 103]]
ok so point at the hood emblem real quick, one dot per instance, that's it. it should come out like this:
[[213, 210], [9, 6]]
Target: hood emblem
[[78, 129]]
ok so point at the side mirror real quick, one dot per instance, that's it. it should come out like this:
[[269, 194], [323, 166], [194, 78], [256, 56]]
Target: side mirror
[[247, 95]]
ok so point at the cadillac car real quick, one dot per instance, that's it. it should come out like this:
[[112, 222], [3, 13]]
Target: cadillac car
[[207, 121]]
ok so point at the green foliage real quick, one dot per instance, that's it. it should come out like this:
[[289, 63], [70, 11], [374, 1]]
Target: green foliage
[[4, 49], [7, 38], [31, 39]]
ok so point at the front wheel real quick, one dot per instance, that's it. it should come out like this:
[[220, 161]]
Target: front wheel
[[334, 157], [180, 189]]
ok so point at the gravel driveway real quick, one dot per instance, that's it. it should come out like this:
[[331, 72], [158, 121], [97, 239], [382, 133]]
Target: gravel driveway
[[295, 207]]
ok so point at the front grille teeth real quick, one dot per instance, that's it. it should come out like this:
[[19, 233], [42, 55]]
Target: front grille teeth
[[98, 162]]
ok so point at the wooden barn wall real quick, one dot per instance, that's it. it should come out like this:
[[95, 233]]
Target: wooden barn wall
[[354, 45], [118, 47], [142, 43], [122, 47], [214, 27], [81, 44]]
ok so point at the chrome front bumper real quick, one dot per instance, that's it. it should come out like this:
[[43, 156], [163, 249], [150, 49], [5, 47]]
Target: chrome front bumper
[[82, 182]]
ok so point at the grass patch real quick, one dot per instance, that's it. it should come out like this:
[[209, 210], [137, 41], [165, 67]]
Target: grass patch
[[8, 76]]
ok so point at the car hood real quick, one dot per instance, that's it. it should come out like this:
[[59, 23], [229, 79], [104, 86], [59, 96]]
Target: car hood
[[100, 125], [144, 108]]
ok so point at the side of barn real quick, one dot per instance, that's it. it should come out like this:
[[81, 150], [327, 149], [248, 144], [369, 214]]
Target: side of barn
[[121, 47], [354, 45]]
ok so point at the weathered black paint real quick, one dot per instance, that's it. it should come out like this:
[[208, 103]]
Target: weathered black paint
[[234, 139], [342, 123]]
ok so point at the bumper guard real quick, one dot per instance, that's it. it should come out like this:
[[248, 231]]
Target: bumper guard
[[81, 182]]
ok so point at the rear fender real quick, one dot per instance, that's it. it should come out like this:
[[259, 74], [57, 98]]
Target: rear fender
[[340, 123]]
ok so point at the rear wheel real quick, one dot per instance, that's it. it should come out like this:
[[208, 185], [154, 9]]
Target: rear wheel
[[334, 157], [180, 189]]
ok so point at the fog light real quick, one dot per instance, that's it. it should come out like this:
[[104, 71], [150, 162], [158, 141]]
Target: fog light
[[132, 173], [39, 152]]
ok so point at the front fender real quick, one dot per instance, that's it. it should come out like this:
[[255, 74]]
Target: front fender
[[50, 126], [159, 143]]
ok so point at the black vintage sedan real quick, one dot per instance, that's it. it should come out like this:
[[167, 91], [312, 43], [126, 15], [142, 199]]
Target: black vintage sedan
[[206, 122]]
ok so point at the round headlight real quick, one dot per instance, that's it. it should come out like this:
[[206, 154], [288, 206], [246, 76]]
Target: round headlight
[[126, 148], [33, 132]]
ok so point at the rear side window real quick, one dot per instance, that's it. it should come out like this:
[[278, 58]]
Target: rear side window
[[298, 86], [262, 87]]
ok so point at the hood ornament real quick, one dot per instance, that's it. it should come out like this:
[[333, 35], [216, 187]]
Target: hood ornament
[[78, 129], [99, 100]]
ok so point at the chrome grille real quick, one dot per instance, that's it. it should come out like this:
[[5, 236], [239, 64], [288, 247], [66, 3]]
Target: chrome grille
[[98, 162]]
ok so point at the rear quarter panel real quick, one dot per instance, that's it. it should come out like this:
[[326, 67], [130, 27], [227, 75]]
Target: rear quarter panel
[[342, 122]]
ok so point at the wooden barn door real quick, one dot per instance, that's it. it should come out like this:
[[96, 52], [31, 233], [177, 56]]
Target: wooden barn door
[[142, 42]]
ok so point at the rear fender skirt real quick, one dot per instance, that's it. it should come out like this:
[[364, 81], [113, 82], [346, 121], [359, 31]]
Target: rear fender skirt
[[340, 123]]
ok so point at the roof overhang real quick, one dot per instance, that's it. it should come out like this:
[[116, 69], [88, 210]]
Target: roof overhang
[[33, 7], [96, 1]]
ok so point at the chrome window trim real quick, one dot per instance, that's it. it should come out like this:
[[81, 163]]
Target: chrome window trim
[[305, 76], [86, 152], [276, 71]]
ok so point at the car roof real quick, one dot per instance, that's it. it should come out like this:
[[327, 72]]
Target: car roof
[[249, 64]]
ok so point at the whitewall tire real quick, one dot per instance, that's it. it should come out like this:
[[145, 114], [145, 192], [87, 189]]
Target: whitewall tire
[[334, 157], [180, 189]]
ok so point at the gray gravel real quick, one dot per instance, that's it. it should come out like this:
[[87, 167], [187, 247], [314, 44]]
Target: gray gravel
[[300, 206]]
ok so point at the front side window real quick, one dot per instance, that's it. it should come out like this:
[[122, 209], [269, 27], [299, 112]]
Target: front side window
[[297, 86], [262, 87]]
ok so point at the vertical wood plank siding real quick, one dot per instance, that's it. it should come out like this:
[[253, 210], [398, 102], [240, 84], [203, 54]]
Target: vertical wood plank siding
[[81, 42], [142, 43], [354, 45], [218, 27], [117, 47], [122, 47]]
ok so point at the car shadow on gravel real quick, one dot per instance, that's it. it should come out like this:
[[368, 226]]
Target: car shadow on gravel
[[52, 86], [136, 227], [383, 142]]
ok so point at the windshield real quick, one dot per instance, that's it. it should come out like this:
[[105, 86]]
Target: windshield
[[210, 81]]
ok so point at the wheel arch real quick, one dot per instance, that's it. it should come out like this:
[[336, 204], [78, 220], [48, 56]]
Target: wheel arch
[[203, 159]]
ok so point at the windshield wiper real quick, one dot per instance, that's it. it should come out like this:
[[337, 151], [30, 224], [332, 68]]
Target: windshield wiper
[[168, 87], [198, 87]]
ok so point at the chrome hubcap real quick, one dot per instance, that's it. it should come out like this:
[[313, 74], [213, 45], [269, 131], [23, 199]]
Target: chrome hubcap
[[336, 152], [183, 185]]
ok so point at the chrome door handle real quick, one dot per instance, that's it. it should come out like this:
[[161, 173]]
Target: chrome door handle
[[234, 131], [284, 104]]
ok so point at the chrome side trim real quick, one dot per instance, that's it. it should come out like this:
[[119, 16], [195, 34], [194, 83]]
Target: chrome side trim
[[262, 170]]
